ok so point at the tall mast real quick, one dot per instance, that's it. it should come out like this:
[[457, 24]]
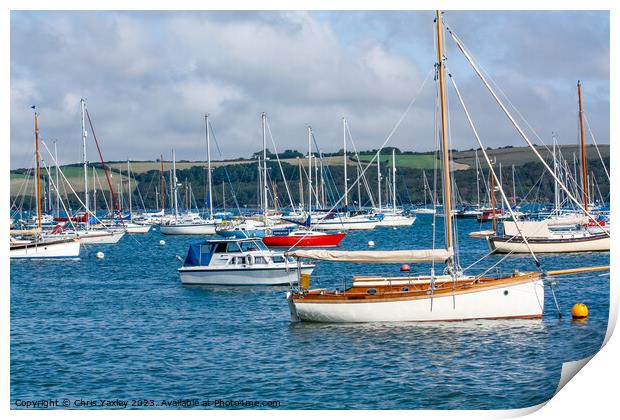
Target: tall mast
[[156, 199], [556, 190], [301, 185], [94, 192], [477, 178], [163, 184], [493, 200], [447, 193], [379, 177], [309, 169], [38, 158], [83, 106], [514, 187], [584, 169], [359, 188], [174, 188], [209, 166], [394, 179], [57, 184], [223, 196], [129, 190], [344, 152], [424, 185], [265, 184]]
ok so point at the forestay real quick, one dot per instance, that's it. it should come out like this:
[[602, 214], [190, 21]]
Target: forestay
[[376, 257]]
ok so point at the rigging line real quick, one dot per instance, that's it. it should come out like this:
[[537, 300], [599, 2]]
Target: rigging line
[[232, 190], [105, 169], [359, 166], [486, 157], [595, 145], [61, 201], [288, 192], [388, 138], [518, 128], [70, 186]]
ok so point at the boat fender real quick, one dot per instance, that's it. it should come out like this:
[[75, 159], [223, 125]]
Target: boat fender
[[250, 259]]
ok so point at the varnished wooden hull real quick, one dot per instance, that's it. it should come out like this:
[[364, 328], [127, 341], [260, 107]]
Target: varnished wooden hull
[[513, 297]]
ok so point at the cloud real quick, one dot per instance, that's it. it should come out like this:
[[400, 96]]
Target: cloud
[[149, 77]]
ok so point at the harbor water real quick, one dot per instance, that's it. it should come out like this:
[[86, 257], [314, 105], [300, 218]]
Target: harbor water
[[124, 328]]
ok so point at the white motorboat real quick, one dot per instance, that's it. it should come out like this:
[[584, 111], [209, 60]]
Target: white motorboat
[[136, 228], [239, 262]]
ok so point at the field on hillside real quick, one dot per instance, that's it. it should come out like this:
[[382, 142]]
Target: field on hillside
[[408, 161], [520, 155], [24, 184]]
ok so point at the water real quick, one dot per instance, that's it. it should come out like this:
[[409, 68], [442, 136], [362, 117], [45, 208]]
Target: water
[[123, 327]]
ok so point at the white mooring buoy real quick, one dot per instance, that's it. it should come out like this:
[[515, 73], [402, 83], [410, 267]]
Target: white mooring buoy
[[162, 242], [371, 243], [100, 255]]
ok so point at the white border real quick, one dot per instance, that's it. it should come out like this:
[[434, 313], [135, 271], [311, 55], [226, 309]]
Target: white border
[[592, 394]]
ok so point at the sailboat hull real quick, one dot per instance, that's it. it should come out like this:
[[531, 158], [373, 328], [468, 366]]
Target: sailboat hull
[[100, 237], [510, 245], [517, 299], [398, 220], [188, 229], [64, 248]]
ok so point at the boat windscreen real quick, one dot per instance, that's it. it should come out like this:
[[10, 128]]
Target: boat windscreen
[[252, 246]]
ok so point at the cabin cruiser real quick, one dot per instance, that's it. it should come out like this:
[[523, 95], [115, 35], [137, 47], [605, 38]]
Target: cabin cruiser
[[239, 262]]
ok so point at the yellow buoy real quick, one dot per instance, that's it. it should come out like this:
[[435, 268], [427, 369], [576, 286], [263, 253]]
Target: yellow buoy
[[579, 311]]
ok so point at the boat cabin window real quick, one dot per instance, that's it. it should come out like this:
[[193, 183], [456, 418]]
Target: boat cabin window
[[252, 246], [240, 260], [277, 259], [260, 260]]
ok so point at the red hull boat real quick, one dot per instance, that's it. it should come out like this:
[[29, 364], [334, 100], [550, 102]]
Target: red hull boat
[[304, 239]]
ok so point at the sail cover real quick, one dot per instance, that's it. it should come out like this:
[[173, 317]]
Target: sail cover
[[376, 257]]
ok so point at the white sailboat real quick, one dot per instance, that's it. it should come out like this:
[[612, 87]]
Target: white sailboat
[[450, 296], [191, 223], [394, 216], [37, 246]]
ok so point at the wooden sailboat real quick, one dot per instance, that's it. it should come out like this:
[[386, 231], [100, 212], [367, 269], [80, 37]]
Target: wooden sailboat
[[39, 247], [540, 238], [452, 296]]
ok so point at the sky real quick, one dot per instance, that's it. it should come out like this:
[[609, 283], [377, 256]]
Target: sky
[[150, 77]]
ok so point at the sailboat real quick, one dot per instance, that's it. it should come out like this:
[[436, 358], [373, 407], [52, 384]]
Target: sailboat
[[425, 209], [131, 227], [394, 216], [38, 247], [191, 223], [449, 296], [541, 236]]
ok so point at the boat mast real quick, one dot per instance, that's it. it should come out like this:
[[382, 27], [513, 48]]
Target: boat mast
[[514, 187], [379, 177], [359, 189], [447, 193], [129, 190], [477, 178], [94, 192], [174, 187], [301, 186], [493, 201], [38, 158], [265, 185], [57, 184], [209, 166], [556, 191], [309, 169], [344, 153], [163, 184], [584, 169], [394, 179], [82, 106]]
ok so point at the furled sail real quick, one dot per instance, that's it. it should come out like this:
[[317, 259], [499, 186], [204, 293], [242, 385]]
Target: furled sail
[[376, 257]]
